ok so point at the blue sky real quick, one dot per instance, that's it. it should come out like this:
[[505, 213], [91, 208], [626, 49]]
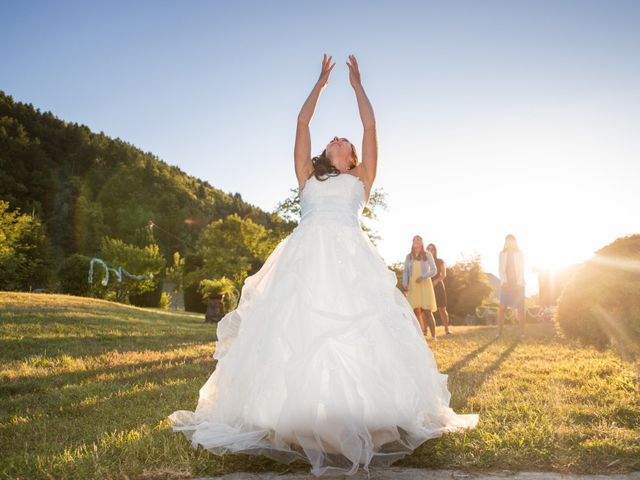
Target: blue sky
[[493, 116]]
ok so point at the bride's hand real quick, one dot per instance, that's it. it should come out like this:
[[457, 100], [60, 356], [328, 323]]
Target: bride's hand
[[354, 72], [326, 71]]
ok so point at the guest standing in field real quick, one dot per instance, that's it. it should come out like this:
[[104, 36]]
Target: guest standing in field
[[419, 267], [511, 266], [438, 287]]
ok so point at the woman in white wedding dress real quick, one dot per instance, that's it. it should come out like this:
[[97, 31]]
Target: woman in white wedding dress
[[324, 360]]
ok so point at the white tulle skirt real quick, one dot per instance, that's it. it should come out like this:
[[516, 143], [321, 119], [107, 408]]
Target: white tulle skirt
[[322, 361]]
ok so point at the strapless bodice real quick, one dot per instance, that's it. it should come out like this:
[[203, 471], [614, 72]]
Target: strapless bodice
[[338, 199]]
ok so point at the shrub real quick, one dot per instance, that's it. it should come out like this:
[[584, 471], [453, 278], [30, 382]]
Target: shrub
[[601, 303], [192, 298], [73, 275], [467, 287], [147, 261], [165, 300], [220, 286], [25, 251], [147, 298]]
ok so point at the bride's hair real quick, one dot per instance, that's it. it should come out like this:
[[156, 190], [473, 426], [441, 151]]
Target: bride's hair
[[323, 168]]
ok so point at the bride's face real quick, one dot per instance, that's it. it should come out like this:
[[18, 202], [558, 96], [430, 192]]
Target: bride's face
[[339, 148]]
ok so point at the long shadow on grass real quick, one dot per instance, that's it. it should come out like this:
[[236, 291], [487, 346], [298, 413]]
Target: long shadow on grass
[[75, 347], [466, 384], [470, 381], [128, 412], [78, 424], [149, 444], [109, 397], [40, 385], [102, 318], [453, 369]]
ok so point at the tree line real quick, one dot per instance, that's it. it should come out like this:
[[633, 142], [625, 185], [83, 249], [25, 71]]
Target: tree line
[[68, 194]]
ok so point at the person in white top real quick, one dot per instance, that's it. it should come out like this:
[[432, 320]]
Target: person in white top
[[511, 266]]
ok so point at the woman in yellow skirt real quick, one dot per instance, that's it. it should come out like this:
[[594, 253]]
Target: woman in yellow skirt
[[419, 267]]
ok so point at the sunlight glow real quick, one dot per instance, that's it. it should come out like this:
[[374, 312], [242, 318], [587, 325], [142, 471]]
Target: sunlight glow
[[534, 174], [626, 264]]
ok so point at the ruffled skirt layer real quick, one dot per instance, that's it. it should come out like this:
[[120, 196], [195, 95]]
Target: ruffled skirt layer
[[322, 361]]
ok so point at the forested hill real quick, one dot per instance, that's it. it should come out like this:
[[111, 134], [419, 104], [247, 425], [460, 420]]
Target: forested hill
[[85, 185]]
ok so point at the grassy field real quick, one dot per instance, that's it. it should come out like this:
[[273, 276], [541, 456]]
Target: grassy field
[[86, 386]]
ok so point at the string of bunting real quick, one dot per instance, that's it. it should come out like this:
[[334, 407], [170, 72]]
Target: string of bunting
[[118, 271]]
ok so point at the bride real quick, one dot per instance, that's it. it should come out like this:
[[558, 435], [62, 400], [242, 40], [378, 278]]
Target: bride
[[324, 360]]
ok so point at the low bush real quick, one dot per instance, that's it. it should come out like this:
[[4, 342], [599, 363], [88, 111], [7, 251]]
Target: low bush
[[601, 303]]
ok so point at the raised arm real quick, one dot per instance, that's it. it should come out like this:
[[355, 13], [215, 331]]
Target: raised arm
[[302, 149], [369, 138]]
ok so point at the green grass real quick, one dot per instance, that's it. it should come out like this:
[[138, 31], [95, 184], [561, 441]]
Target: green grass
[[86, 386]]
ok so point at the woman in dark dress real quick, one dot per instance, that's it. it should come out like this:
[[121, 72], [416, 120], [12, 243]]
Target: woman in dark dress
[[438, 287]]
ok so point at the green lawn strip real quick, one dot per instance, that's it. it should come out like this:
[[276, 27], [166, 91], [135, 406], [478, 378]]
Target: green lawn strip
[[86, 385]]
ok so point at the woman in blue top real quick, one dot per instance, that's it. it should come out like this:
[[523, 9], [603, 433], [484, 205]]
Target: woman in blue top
[[419, 267]]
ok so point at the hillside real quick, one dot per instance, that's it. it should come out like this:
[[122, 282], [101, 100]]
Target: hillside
[[85, 185]]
